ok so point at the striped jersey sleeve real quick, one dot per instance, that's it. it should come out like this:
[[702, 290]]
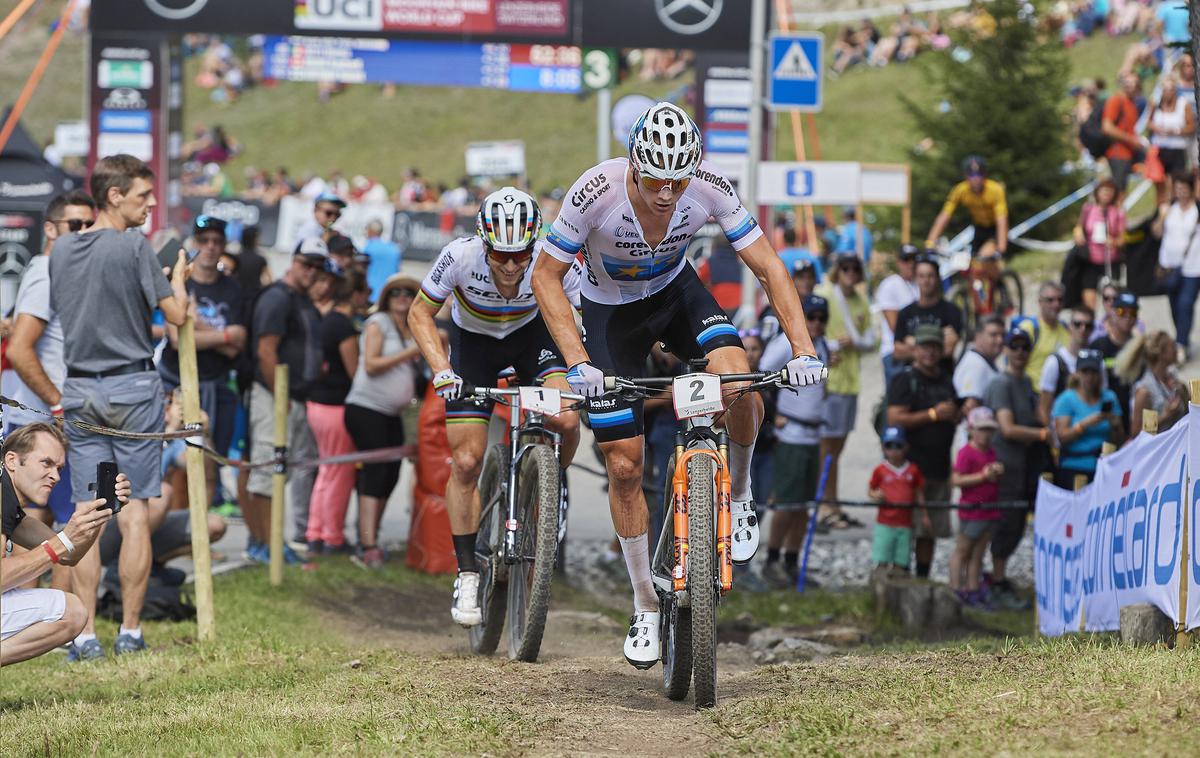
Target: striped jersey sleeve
[[442, 277], [738, 224]]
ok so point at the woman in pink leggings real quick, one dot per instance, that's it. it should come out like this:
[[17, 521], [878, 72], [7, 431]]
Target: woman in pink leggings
[[326, 416]]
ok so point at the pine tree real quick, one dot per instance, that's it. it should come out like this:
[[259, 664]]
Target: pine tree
[[1006, 98]]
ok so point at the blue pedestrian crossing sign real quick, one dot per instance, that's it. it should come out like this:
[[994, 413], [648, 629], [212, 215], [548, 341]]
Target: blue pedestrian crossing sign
[[796, 71]]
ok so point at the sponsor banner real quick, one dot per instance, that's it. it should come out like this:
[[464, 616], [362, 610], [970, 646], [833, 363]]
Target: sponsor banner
[[1132, 528], [421, 235], [533, 17], [1058, 557], [505, 158], [126, 122], [1193, 562], [238, 214]]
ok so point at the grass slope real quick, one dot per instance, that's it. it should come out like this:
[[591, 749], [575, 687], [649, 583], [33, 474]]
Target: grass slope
[[362, 132]]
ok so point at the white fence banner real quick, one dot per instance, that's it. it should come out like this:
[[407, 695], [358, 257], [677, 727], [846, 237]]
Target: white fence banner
[[1133, 528], [1193, 562], [1058, 557]]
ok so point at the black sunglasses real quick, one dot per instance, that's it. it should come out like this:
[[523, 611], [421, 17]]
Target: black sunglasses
[[74, 224], [818, 316], [893, 446]]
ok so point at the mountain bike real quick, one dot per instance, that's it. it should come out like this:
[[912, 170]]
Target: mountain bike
[[692, 568], [521, 504], [980, 287]]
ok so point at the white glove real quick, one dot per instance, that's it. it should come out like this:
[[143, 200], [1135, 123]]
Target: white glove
[[805, 370], [447, 384], [585, 379]]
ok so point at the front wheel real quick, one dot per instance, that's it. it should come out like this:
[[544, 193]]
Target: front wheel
[[529, 579], [962, 296], [493, 587], [1010, 295], [702, 581], [675, 632]]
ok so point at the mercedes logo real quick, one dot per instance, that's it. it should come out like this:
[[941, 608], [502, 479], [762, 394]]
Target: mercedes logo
[[178, 10], [687, 16]]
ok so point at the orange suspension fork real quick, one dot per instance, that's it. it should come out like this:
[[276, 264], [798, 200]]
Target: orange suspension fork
[[724, 519], [679, 516]]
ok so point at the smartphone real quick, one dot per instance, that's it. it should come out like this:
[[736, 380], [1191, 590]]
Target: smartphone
[[1106, 406], [168, 254], [106, 485]]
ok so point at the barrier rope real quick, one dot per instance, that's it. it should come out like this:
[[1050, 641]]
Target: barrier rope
[[937, 505], [188, 430]]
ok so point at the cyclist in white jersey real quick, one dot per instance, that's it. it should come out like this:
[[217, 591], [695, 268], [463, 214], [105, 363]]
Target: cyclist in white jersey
[[632, 220], [495, 324]]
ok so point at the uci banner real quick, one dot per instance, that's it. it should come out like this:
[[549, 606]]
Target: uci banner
[[1057, 557], [1193, 562]]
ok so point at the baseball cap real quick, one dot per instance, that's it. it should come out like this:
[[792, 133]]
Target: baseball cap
[[205, 223], [803, 264], [893, 435], [1017, 333], [334, 269], [981, 418], [1126, 300], [815, 304], [313, 248], [329, 197], [1089, 359], [928, 334], [909, 252]]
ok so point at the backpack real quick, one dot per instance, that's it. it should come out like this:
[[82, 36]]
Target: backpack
[[1064, 374], [164, 601], [1091, 132]]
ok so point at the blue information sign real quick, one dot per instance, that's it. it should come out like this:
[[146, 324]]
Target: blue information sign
[[795, 72], [533, 68]]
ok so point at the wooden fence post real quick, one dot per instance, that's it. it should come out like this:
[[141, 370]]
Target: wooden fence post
[[197, 485], [279, 477]]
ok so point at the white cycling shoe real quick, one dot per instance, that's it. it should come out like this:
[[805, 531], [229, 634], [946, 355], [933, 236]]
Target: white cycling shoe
[[642, 648], [465, 610], [745, 531]]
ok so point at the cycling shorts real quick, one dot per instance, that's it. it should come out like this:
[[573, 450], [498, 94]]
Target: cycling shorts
[[479, 359], [983, 235], [618, 339]]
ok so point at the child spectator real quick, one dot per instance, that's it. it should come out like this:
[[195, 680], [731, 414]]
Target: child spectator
[[895, 481], [977, 472]]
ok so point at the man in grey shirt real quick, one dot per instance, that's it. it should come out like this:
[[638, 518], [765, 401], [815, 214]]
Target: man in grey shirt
[[105, 283], [1020, 445]]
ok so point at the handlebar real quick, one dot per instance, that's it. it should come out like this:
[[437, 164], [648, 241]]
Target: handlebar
[[612, 383], [486, 393]]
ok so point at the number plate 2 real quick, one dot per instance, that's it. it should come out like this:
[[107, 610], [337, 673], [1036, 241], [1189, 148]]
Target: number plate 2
[[540, 400], [697, 395]]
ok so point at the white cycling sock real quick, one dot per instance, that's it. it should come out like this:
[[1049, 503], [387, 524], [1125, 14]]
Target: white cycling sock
[[83, 637], [135, 633], [739, 471], [637, 560]]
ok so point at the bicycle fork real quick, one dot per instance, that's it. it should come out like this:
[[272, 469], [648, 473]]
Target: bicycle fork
[[679, 515]]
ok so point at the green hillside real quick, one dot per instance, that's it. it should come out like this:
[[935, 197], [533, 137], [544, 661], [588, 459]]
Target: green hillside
[[360, 131]]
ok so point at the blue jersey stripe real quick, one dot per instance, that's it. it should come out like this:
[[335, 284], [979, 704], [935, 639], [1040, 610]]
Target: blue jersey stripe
[[716, 330], [611, 418], [741, 230], [563, 244]]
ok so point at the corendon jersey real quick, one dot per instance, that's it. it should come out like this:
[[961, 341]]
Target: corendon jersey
[[462, 270], [597, 217]]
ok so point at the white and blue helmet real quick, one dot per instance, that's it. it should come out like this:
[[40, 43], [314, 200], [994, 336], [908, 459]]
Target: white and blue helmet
[[665, 143]]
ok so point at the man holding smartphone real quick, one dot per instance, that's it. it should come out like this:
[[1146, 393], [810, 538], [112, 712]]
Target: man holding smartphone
[[105, 283]]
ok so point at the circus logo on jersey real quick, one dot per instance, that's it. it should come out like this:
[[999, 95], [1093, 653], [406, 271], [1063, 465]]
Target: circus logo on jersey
[[622, 270]]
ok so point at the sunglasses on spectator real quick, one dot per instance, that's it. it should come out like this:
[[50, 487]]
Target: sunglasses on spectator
[[1083, 324], [405, 292], [74, 224], [1021, 347], [850, 267], [1110, 298], [330, 212], [210, 239], [658, 185], [315, 265], [818, 316], [1122, 312], [893, 446]]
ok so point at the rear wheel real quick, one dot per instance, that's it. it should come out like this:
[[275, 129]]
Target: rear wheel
[[529, 579], [962, 297], [702, 585], [1010, 295], [676, 625], [493, 588]]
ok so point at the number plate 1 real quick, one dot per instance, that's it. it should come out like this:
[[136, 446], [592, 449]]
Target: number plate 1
[[540, 400], [697, 395]]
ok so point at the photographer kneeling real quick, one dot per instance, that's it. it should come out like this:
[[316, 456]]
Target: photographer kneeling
[[33, 622]]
